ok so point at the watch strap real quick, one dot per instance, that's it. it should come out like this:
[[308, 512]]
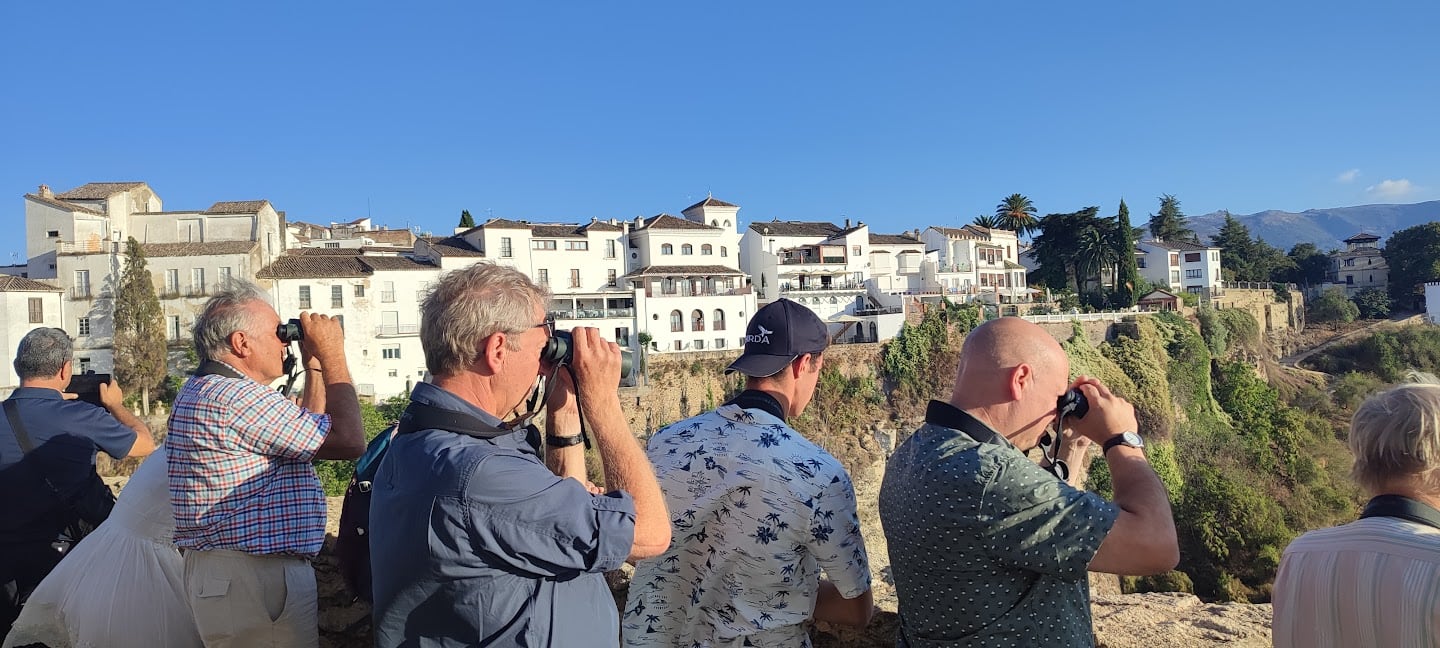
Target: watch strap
[[564, 441], [1113, 441]]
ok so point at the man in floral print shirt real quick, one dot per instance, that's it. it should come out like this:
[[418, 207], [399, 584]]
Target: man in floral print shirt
[[758, 511]]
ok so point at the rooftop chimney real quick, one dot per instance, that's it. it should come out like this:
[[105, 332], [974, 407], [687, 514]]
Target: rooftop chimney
[[847, 223], [45, 191]]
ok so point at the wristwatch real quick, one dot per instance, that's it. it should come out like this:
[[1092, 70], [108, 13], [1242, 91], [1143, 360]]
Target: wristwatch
[[1125, 438]]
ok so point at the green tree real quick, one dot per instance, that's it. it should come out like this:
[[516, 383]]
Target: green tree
[[1333, 307], [139, 343], [1127, 274], [465, 219], [1017, 213], [1170, 224], [1095, 250], [1413, 255], [988, 222], [1372, 303], [1310, 265], [1236, 248], [1057, 248]]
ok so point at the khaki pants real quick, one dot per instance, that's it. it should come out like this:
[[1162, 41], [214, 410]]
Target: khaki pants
[[241, 600]]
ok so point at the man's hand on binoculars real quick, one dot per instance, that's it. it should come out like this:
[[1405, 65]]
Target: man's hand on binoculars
[[597, 364], [324, 338]]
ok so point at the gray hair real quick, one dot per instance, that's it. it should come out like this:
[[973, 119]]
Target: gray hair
[[225, 314], [466, 306], [1396, 433], [42, 352]]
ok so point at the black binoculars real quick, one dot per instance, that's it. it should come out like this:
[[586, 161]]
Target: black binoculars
[[560, 350], [1072, 403], [290, 331]]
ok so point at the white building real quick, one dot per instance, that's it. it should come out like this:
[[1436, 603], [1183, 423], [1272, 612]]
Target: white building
[[28, 305], [1359, 266], [690, 294], [974, 263], [1432, 302], [1179, 265]]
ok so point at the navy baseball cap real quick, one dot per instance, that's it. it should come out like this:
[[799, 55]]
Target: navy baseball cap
[[778, 333]]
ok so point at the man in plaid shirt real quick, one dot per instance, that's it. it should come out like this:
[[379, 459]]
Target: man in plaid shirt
[[249, 511]]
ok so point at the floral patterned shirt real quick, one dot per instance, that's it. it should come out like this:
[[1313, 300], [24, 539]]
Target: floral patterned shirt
[[759, 512]]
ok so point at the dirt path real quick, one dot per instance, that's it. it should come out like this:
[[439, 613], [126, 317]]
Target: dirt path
[[1293, 361]]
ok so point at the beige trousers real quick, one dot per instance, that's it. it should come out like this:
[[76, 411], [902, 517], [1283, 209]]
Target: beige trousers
[[242, 601]]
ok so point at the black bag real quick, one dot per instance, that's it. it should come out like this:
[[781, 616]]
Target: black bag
[[83, 513], [352, 545]]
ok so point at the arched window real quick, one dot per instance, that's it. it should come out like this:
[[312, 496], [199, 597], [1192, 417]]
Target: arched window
[[667, 249], [719, 320], [724, 251], [707, 250], [677, 321], [714, 223], [687, 249], [697, 320], [727, 223]]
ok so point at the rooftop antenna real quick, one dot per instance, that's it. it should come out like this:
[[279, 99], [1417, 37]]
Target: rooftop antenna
[[367, 207]]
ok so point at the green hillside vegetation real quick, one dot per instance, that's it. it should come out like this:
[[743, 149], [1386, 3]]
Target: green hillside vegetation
[[1247, 471]]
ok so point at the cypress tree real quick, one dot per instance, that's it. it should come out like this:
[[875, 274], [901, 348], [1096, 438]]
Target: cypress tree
[[139, 343], [1127, 275]]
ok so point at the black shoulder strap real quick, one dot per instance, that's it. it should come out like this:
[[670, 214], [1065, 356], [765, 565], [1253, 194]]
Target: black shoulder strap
[[419, 416], [1398, 506], [213, 368], [18, 427]]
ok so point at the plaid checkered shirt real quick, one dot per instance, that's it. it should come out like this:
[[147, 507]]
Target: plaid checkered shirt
[[240, 473]]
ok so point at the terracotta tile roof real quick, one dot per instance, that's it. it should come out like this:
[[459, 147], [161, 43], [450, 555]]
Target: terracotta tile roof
[[892, 239], [323, 251], [396, 263], [654, 270], [601, 226], [60, 204], [501, 223], [1011, 265], [237, 207], [1360, 252], [551, 230], [98, 190], [393, 237], [710, 201], [453, 246], [795, 228], [207, 248], [11, 283], [1182, 246], [314, 267], [666, 221], [1361, 237], [968, 232]]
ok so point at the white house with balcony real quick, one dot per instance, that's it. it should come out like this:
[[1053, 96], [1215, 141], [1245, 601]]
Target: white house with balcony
[[377, 298], [974, 263], [690, 291], [77, 238], [1179, 265], [28, 305], [1359, 266]]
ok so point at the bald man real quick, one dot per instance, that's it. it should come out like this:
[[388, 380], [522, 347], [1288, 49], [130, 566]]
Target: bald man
[[989, 549]]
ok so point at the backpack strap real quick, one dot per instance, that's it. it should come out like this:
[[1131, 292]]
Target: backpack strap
[[213, 368], [1404, 508], [419, 416]]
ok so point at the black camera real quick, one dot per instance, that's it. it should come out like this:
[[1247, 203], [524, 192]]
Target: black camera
[[560, 350], [1072, 403], [87, 386], [290, 331]]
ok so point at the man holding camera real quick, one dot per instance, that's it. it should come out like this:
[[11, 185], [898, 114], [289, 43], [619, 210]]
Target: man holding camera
[[475, 540], [986, 547], [48, 442], [249, 510], [759, 511]]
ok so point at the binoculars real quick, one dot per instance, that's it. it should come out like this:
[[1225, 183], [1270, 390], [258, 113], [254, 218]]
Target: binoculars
[[561, 350], [290, 331]]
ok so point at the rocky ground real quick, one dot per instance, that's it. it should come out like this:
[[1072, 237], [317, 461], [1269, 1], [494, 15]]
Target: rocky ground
[[1121, 620]]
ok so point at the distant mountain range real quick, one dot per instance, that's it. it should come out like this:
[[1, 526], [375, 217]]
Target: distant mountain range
[[1326, 228]]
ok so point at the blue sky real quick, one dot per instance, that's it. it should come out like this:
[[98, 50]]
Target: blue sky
[[899, 114]]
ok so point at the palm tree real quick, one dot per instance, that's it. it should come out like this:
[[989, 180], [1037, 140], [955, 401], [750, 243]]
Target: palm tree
[[1017, 213], [988, 222], [1095, 252]]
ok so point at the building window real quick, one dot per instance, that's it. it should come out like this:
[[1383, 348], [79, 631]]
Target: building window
[[677, 321], [83, 329], [697, 320], [1174, 258], [1174, 276], [53, 233], [172, 282], [391, 352], [37, 311], [1349, 262], [394, 373], [1214, 256], [174, 326], [706, 250], [1192, 274], [679, 346], [687, 249], [724, 251], [1192, 257], [574, 277], [577, 245], [719, 320], [304, 296], [337, 296], [719, 343], [611, 279], [332, 245], [667, 249], [1349, 281], [387, 292], [542, 245], [197, 281], [622, 336], [84, 365], [82, 283], [359, 290], [543, 277], [506, 251], [699, 345], [1139, 262], [855, 250], [610, 249], [222, 278]]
